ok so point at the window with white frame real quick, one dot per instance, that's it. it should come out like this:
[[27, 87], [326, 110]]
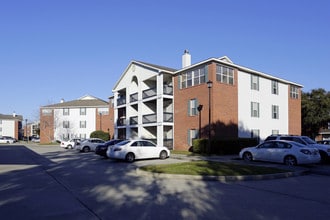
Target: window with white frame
[[192, 134], [255, 133], [275, 112], [193, 77], [254, 82], [82, 124], [294, 92], [66, 124], [275, 132], [274, 87], [46, 111], [82, 111], [192, 107], [255, 109], [66, 111], [225, 74]]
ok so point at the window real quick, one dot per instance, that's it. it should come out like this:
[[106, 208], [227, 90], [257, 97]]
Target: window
[[192, 134], [82, 136], [46, 112], [82, 111], [274, 87], [255, 109], [294, 92], [275, 132], [255, 133], [193, 77], [66, 124], [192, 107], [225, 74], [275, 112], [82, 124], [255, 82], [66, 111]]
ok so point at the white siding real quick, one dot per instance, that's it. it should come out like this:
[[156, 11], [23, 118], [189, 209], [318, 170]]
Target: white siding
[[8, 128], [265, 124]]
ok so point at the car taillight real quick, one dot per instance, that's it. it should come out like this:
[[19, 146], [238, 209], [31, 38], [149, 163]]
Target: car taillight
[[117, 149], [304, 151]]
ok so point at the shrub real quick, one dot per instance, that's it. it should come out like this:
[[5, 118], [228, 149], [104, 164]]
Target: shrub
[[100, 134]]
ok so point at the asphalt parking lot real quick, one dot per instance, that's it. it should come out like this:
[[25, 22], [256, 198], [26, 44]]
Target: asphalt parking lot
[[39, 182]]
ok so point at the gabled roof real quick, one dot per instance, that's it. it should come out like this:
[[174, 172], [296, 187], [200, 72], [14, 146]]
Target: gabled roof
[[155, 67], [85, 101], [226, 61], [11, 117]]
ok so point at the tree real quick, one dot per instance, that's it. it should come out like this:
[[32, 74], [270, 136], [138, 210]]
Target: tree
[[315, 111]]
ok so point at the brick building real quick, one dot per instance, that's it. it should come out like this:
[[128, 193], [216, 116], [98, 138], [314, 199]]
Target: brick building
[[162, 104]]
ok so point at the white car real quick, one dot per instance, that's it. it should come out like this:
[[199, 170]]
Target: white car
[[89, 144], [287, 152], [131, 150], [6, 140], [70, 144]]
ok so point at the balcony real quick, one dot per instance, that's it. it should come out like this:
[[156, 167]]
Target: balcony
[[168, 90], [133, 97], [121, 122], [151, 118], [168, 117], [121, 100], [133, 120], [149, 93]]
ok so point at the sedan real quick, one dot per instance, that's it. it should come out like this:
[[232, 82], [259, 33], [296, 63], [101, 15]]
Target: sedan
[[102, 148], [89, 144], [131, 150], [287, 152], [70, 144]]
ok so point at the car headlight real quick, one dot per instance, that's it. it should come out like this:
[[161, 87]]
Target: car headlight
[[305, 151]]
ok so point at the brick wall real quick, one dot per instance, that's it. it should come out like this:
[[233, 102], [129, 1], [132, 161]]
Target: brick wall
[[294, 114]]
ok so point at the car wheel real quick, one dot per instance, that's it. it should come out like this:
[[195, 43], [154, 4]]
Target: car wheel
[[290, 161], [69, 146], [247, 156], [130, 157], [163, 155], [85, 149]]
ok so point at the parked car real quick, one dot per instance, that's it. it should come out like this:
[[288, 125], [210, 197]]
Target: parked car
[[7, 140], [131, 150], [324, 150], [287, 152], [89, 144], [70, 144], [101, 149], [327, 142], [35, 140]]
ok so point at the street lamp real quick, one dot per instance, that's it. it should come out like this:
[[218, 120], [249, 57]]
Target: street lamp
[[199, 108], [26, 131], [209, 86]]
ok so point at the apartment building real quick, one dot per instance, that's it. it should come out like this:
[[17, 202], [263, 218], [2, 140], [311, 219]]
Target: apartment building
[[76, 118], [11, 125], [143, 103], [220, 99], [214, 97]]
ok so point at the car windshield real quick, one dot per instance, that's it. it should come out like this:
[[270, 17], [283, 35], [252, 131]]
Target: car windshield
[[122, 143], [308, 140]]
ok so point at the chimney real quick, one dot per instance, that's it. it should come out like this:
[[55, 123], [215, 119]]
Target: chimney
[[186, 59], [62, 100], [14, 114]]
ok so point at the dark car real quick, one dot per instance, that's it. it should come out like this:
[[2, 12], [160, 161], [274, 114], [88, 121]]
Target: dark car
[[101, 149]]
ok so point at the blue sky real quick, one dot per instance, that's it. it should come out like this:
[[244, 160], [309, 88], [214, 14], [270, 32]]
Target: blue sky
[[53, 49]]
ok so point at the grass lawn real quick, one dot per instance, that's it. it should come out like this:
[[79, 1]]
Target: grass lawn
[[211, 168]]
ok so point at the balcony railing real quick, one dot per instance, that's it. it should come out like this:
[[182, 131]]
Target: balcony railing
[[168, 90], [168, 117], [151, 118], [133, 97], [121, 100], [121, 122], [133, 120], [149, 93]]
